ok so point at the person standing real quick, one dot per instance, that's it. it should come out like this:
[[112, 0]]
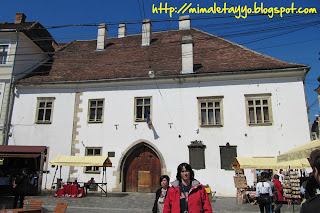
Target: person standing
[[274, 191], [161, 194], [279, 199], [264, 193], [312, 205], [186, 193], [20, 186]]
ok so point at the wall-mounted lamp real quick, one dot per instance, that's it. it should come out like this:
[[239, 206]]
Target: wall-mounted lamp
[[151, 74]]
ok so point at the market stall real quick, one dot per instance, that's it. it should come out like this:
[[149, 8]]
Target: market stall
[[66, 160], [293, 178], [266, 164], [14, 158]]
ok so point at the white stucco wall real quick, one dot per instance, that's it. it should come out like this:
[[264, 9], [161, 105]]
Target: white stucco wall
[[173, 101], [23, 55]]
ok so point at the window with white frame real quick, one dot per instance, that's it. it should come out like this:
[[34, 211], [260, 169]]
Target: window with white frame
[[93, 151], [95, 111], [142, 108], [210, 111], [3, 53], [258, 107], [44, 110]]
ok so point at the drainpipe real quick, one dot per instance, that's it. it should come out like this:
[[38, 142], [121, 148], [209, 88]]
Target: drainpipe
[[6, 125]]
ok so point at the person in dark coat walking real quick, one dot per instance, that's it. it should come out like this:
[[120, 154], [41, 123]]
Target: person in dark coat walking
[[161, 194], [313, 204], [20, 186]]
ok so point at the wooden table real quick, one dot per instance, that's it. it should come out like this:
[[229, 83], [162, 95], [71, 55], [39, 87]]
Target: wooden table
[[20, 210]]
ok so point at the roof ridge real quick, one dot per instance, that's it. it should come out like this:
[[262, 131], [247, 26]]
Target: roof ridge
[[245, 48]]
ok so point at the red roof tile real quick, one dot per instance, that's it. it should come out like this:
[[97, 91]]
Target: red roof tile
[[35, 31], [126, 58]]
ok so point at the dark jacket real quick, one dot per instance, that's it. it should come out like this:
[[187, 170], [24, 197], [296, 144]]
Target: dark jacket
[[311, 206], [155, 205], [22, 182]]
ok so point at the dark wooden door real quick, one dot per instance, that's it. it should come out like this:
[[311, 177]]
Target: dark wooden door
[[142, 171]]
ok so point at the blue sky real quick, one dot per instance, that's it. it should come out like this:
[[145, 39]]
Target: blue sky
[[292, 38]]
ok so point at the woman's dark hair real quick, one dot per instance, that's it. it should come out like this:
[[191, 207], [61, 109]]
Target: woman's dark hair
[[164, 177], [263, 176], [188, 167]]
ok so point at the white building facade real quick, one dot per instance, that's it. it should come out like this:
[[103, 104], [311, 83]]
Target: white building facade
[[21, 51], [241, 113]]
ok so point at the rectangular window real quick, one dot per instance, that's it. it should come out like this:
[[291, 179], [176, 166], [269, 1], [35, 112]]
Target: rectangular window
[[95, 111], [227, 155], [93, 151], [142, 108], [210, 111], [44, 110], [259, 109], [3, 53]]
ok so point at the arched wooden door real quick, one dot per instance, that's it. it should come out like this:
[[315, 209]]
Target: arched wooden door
[[142, 170]]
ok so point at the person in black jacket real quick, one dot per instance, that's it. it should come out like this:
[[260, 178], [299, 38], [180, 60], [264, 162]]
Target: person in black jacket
[[161, 194], [313, 204], [20, 187]]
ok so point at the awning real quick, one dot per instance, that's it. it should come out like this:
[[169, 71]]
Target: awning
[[17, 149], [300, 152], [8, 151], [269, 163], [18, 155], [66, 160]]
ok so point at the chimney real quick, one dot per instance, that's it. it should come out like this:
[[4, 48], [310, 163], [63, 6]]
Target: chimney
[[146, 32], [187, 55], [184, 22], [20, 18], [102, 36], [122, 31]]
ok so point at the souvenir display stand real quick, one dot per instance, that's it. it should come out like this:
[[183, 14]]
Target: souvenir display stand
[[291, 186]]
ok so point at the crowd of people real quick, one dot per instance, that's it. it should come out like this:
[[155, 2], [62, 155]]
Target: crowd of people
[[269, 194], [188, 195]]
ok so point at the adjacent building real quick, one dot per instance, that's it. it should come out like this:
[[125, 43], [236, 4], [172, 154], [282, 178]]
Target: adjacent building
[[23, 47], [154, 100]]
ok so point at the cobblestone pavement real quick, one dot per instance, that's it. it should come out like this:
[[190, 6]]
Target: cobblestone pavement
[[134, 203]]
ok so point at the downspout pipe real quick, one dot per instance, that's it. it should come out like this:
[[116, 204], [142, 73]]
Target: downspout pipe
[[10, 98]]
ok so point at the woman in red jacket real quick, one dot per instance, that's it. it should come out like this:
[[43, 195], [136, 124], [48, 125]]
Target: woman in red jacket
[[279, 198], [186, 195]]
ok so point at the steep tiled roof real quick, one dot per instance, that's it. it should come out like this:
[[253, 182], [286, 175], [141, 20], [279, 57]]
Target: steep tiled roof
[[126, 58], [35, 31]]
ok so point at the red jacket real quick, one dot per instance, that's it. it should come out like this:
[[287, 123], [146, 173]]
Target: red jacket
[[198, 200], [279, 189]]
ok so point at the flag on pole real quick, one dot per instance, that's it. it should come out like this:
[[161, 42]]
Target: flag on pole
[[148, 120]]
